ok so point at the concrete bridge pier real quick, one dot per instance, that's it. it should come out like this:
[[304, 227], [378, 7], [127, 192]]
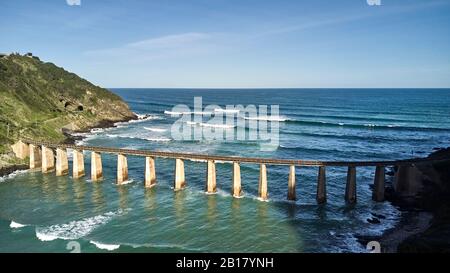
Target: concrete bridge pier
[[122, 169], [35, 156], [62, 163], [237, 189], [408, 180], [48, 160], [321, 196], [378, 189], [291, 183], [350, 188], [96, 166], [150, 172], [78, 164], [262, 189], [179, 181], [211, 177]]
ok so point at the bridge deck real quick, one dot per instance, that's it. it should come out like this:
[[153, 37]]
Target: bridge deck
[[259, 160]]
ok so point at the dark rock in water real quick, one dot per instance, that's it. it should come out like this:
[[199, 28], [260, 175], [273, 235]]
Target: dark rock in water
[[379, 216], [12, 168], [373, 220], [146, 116]]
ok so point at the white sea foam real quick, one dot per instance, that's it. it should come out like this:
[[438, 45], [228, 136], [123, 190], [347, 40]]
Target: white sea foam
[[144, 119], [197, 160], [129, 181], [80, 142], [141, 118], [267, 118], [175, 113], [223, 193], [370, 125], [225, 126], [341, 123], [172, 113], [45, 237], [223, 162], [79, 134], [12, 175], [16, 225], [86, 138], [158, 130], [75, 229], [288, 147], [160, 139], [108, 247], [230, 111], [97, 130]]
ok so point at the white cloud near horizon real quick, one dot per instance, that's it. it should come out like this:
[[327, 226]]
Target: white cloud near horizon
[[170, 41], [179, 45]]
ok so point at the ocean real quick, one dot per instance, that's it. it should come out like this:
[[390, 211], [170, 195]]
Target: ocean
[[45, 213]]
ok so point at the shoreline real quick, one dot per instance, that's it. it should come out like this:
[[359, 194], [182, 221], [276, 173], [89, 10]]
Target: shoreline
[[70, 138], [425, 215], [410, 223]]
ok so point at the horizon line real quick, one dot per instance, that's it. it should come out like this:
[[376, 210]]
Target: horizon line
[[271, 88]]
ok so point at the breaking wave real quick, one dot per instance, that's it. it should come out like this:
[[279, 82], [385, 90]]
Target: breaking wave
[[75, 229], [225, 126], [228, 111], [366, 125], [16, 225], [109, 247], [158, 130], [157, 139], [268, 118], [176, 113], [12, 175]]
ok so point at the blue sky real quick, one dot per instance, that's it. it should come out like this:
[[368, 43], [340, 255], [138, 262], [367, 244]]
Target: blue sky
[[237, 43]]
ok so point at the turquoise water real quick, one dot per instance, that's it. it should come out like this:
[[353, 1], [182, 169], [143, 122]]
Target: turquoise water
[[43, 213]]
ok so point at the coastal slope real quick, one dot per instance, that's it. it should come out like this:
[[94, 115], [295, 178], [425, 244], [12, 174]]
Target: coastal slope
[[42, 101]]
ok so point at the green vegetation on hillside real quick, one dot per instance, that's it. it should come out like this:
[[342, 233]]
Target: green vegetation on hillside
[[39, 99]]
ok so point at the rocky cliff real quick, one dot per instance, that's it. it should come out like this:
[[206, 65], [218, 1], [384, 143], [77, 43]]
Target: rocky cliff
[[40, 100], [427, 190]]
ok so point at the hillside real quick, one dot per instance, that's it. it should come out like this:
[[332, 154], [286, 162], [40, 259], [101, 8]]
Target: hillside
[[40, 100]]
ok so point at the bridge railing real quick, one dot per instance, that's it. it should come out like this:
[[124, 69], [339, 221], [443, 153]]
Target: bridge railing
[[42, 156]]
